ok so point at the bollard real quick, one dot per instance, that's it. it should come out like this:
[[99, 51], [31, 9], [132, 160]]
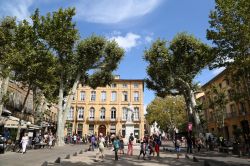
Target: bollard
[[67, 157], [58, 160], [195, 159], [45, 163]]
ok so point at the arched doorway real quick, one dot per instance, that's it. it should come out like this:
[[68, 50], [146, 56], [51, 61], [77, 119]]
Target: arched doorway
[[102, 129]]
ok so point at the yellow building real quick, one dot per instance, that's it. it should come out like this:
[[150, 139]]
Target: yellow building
[[104, 109], [237, 112]]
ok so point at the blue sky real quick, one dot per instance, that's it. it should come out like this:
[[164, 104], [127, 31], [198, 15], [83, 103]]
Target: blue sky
[[134, 24]]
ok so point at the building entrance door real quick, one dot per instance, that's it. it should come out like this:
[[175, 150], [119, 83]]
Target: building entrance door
[[102, 129]]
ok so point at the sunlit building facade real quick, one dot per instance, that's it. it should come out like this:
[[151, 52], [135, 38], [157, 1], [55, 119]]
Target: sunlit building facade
[[104, 109]]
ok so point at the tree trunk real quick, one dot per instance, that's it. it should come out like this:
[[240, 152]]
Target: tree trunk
[[62, 113], [22, 112], [3, 91], [193, 105], [70, 97], [60, 124]]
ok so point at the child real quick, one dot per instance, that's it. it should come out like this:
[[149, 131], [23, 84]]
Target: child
[[116, 146], [143, 149]]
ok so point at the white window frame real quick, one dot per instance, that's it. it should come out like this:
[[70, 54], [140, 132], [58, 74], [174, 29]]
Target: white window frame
[[92, 113], [113, 96], [103, 96], [136, 96], [80, 113], [124, 96], [102, 113], [93, 96], [71, 114], [113, 113], [136, 85], [82, 96]]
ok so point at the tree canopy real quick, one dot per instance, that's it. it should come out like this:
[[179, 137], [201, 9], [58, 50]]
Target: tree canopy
[[230, 31], [168, 112], [172, 68]]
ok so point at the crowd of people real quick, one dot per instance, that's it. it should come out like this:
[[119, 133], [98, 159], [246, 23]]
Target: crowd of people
[[149, 146]]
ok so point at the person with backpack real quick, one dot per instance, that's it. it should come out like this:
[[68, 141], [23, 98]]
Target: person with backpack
[[116, 144], [130, 145]]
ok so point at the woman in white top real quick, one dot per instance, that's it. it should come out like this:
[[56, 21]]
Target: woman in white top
[[101, 143], [51, 138], [24, 141]]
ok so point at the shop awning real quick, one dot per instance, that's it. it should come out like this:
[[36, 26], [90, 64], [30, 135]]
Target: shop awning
[[35, 127], [12, 122]]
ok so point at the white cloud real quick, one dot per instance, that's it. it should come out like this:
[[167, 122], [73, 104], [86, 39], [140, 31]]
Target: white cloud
[[113, 11], [148, 39], [218, 70], [17, 8], [128, 41]]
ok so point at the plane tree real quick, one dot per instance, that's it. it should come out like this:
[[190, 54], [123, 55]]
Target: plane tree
[[172, 68]]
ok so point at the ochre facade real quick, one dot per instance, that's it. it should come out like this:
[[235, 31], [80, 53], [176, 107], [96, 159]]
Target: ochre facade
[[237, 113], [104, 109]]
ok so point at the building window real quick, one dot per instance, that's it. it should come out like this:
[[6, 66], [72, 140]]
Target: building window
[[103, 96], [136, 96], [124, 113], [113, 113], [124, 85], [112, 129], [80, 112], [125, 96], [91, 129], [136, 85], [79, 129], [82, 96], [71, 113], [136, 113], [113, 96], [102, 115], [93, 95], [113, 85], [92, 113]]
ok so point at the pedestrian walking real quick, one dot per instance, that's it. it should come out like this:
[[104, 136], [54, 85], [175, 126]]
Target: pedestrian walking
[[24, 142], [189, 144], [130, 145], [116, 144], [101, 142], [51, 139], [142, 149], [177, 147], [121, 146], [74, 138], [93, 142], [157, 145]]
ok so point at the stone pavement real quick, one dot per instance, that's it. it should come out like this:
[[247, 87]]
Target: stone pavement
[[36, 157], [88, 158], [214, 158]]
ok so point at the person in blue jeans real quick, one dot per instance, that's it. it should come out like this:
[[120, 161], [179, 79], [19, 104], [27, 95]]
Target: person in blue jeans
[[93, 142], [116, 145]]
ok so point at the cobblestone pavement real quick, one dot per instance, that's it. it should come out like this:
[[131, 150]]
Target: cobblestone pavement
[[166, 159], [37, 156]]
